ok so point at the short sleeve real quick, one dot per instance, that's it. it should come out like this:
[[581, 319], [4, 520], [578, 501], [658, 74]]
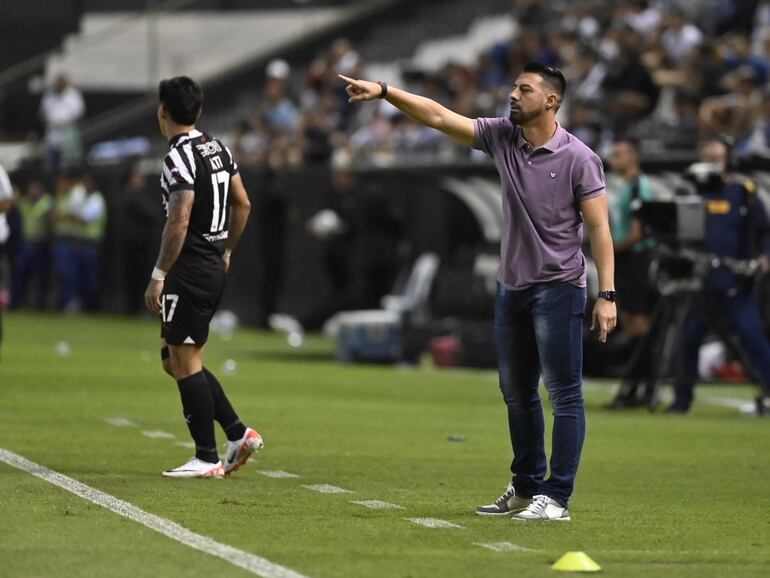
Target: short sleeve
[[588, 177], [233, 164], [179, 170], [488, 133]]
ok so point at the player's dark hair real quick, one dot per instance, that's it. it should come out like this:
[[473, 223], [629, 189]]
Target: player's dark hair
[[183, 99], [551, 75]]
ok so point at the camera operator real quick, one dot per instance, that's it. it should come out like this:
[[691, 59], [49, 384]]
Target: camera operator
[[737, 227]]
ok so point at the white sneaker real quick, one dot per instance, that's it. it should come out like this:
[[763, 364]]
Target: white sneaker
[[507, 503], [196, 468], [544, 508], [238, 452]]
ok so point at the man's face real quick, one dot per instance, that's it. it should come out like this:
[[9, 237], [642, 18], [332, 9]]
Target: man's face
[[714, 153], [531, 97], [622, 157]]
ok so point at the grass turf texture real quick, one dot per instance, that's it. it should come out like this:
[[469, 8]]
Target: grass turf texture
[[656, 495]]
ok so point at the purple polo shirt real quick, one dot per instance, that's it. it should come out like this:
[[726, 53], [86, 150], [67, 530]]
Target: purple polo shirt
[[542, 188]]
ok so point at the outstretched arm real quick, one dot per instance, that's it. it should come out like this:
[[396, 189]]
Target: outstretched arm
[[420, 109]]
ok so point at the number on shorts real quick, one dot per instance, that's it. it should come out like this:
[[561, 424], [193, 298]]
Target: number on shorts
[[173, 300]]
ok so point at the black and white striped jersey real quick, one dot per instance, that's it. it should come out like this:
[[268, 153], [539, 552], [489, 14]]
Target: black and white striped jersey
[[201, 163]]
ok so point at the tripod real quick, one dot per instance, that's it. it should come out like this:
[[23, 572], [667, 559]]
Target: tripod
[[654, 358]]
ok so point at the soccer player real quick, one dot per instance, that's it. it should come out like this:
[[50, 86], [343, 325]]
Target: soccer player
[[206, 210], [551, 183]]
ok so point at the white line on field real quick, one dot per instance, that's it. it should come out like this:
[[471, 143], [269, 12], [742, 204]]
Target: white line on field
[[158, 435], [277, 474], [433, 523], [120, 422], [377, 505], [327, 489], [504, 547], [250, 562], [188, 445]]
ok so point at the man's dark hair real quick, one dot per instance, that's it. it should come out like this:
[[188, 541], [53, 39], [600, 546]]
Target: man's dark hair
[[551, 75], [183, 99]]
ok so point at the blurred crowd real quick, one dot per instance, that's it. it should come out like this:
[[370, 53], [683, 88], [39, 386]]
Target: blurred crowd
[[661, 72]]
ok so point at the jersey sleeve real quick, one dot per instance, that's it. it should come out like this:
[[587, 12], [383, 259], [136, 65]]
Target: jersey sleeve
[[179, 169], [588, 177], [233, 164], [490, 132]]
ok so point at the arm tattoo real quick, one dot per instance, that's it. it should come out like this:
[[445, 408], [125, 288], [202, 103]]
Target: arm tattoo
[[175, 231]]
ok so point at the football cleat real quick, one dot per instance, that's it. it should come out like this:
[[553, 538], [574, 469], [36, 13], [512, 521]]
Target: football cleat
[[544, 508], [507, 503], [196, 468], [238, 452]]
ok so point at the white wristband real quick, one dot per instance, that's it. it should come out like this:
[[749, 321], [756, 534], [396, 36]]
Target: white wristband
[[227, 253], [158, 274]]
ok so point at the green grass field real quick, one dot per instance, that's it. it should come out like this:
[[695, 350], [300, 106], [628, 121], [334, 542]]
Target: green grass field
[[657, 495]]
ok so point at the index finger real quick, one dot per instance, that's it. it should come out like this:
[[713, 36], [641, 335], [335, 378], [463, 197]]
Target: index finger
[[348, 80]]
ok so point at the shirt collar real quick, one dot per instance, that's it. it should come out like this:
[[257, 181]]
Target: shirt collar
[[183, 136], [554, 143]]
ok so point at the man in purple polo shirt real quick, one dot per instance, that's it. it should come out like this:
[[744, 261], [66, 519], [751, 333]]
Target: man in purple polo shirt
[[551, 183]]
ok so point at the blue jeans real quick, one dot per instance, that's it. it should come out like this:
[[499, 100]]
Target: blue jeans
[[539, 331]]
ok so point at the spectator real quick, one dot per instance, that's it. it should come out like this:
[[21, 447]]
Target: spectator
[[92, 224], [33, 260], [680, 37], [65, 228], [277, 109], [141, 221], [61, 109]]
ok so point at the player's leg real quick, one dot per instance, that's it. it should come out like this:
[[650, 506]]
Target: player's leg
[[197, 402], [184, 331], [519, 372], [557, 312]]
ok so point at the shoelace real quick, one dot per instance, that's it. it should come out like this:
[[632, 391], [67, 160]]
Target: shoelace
[[538, 505], [509, 491]]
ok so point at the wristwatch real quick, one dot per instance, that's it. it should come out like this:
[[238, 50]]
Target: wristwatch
[[609, 295]]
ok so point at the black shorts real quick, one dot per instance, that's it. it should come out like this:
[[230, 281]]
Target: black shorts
[[189, 300], [632, 270]]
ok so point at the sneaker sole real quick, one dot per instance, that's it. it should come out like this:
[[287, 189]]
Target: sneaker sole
[[211, 475], [568, 519], [245, 453], [496, 514]]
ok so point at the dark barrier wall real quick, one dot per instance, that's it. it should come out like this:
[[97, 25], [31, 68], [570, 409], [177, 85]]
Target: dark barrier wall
[[278, 265]]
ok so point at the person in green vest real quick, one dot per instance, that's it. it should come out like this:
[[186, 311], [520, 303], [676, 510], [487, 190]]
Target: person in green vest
[[92, 217], [66, 234], [33, 258], [632, 251]]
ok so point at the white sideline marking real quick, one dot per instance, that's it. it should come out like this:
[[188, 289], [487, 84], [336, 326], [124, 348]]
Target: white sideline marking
[[504, 547], [188, 445], [377, 505], [434, 523], [158, 435], [327, 489], [120, 422], [277, 474], [250, 562]]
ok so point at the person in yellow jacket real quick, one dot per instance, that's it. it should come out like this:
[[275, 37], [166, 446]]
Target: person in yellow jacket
[[79, 221], [33, 259]]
